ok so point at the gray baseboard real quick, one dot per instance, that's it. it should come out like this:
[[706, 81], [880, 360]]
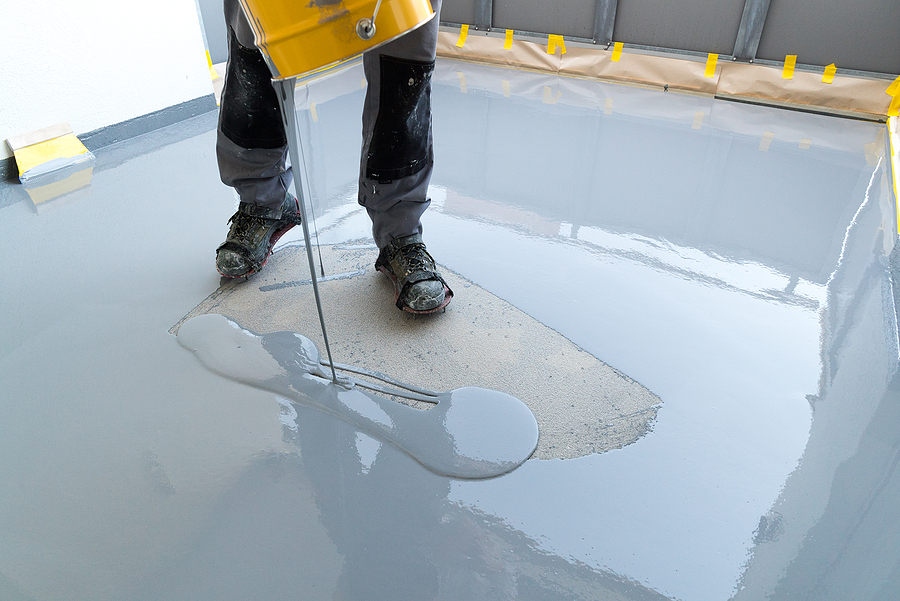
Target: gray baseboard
[[106, 136]]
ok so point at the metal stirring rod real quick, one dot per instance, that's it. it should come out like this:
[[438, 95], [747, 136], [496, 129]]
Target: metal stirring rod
[[284, 89]]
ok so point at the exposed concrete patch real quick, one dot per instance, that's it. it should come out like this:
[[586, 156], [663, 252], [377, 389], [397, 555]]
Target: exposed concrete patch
[[582, 405]]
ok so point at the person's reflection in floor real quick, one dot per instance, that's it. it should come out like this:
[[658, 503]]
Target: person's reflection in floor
[[384, 518]]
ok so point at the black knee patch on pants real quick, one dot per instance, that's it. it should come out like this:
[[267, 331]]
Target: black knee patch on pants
[[249, 113], [400, 140]]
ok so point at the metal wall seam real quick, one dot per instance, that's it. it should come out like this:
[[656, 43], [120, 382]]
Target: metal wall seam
[[484, 14], [604, 21], [750, 29]]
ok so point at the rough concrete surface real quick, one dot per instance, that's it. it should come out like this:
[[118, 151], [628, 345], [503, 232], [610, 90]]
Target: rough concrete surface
[[582, 405]]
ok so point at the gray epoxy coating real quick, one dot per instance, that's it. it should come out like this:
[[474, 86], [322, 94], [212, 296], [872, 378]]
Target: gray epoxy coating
[[470, 432], [744, 278], [582, 406]]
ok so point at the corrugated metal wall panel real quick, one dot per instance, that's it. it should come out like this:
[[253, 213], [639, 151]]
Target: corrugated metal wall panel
[[863, 34], [458, 11], [699, 25], [569, 17]]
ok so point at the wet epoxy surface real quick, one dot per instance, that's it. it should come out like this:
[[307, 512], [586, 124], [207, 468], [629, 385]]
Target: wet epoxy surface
[[470, 432], [733, 259]]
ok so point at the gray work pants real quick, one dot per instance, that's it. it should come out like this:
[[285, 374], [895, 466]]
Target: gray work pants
[[397, 156]]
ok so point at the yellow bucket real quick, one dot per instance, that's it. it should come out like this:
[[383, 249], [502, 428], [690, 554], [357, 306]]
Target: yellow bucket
[[300, 36]]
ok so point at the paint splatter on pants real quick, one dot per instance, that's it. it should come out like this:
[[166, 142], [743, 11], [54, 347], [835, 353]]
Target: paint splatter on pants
[[397, 156]]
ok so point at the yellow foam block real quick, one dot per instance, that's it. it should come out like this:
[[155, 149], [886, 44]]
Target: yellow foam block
[[63, 147]]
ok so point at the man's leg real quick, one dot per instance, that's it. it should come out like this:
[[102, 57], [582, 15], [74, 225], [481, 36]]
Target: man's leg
[[251, 149], [397, 161]]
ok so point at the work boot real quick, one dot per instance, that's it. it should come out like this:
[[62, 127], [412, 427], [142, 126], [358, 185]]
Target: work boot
[[253, 233], [418, 285]]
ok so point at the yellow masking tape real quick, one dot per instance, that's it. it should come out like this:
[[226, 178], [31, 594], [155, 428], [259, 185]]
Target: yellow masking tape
[[212, 70], [790, 61], [894, 88], [507, 44], [63, 147], [766, 141], [617, 52], [313, 112], [608, 106], [505, 88], [711, 65], [895, 161], [894, 109], [828, 76], [805, 143], [463, 34], [553, 41]]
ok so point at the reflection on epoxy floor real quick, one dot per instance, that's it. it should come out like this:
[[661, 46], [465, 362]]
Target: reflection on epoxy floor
[[470, 433], [733, 259]]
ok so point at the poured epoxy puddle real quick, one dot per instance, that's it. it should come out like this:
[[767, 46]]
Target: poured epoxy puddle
[[470, 433], [582, 406]]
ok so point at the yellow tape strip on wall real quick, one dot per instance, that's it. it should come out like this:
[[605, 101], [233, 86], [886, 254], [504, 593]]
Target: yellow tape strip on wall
[[790, 61], [617, 52], [507, 44], [711, 61], [553, 41], [894, 91], [828, 76], [894, 88], [894, 109], [463, 34]]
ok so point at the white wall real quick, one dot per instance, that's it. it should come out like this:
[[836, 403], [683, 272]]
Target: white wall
[[94, 63]]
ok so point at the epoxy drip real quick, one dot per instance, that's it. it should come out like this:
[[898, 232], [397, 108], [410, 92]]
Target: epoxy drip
[[470, 433]]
